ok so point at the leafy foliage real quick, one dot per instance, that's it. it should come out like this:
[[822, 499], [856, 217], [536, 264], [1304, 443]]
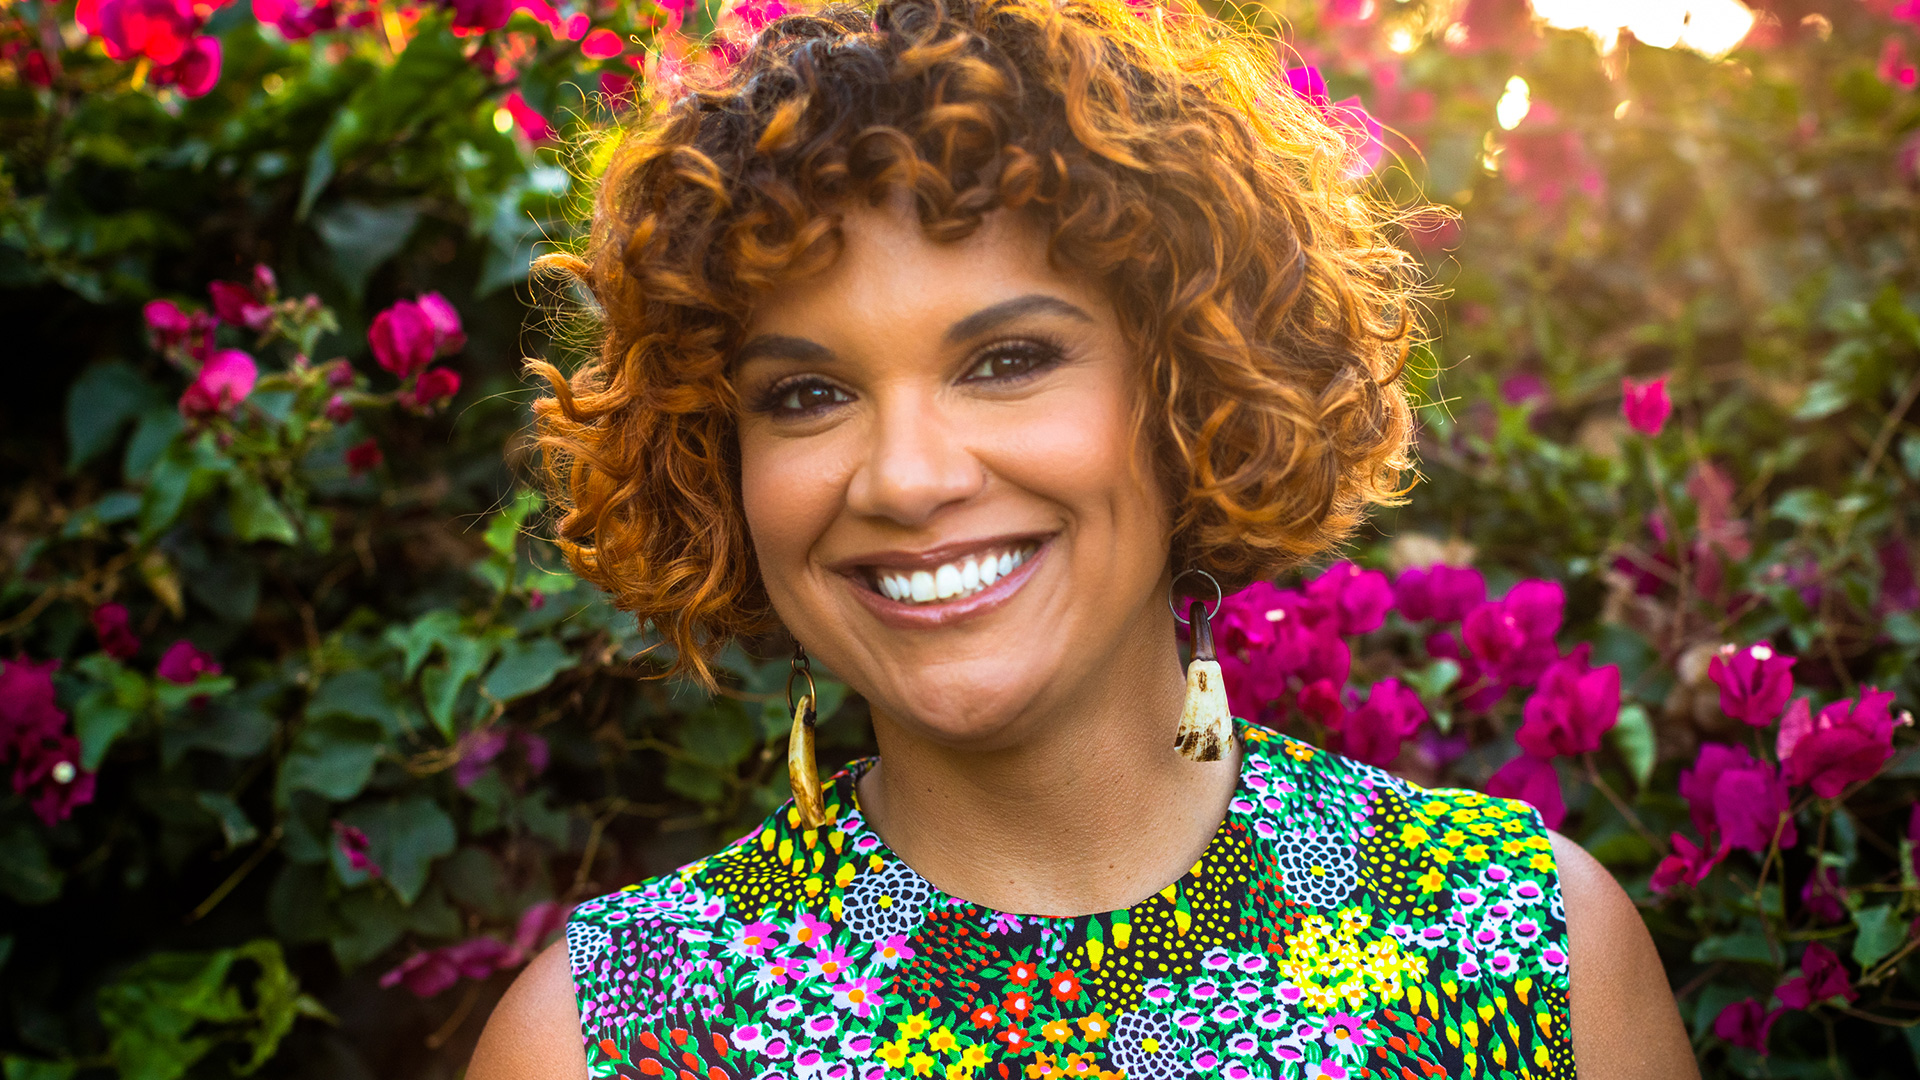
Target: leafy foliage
[[327, 707]]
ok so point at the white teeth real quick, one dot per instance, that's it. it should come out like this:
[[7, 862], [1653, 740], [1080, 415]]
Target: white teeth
[[949, 581]]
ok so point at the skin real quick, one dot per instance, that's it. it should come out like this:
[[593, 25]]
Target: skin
[[926, 397]]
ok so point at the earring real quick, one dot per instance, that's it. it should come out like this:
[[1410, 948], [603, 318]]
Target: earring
[[802, 772], [1206, 723]]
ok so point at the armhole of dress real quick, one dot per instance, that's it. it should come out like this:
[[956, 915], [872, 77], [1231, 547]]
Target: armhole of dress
[[587, 942]]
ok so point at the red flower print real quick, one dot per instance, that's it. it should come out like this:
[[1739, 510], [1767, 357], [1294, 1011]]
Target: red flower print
[[1018, 1043], [1019, 1003], [985, 1016], [1065, 985], [1022, 972]]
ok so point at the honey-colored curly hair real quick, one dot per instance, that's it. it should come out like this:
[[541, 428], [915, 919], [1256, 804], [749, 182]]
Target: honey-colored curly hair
[[1163, 155]]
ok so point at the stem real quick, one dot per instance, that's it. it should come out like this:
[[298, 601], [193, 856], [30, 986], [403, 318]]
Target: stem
[[234, 879], [1633, 819]]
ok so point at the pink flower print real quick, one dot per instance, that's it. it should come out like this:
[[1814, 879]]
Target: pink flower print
[[857, 995], [754, 939], [1345, 1032], [891, 951], [820, 1025], [806, 930], [775, 972], [829, 965]]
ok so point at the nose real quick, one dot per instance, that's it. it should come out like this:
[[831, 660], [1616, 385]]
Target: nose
[[916, 463]]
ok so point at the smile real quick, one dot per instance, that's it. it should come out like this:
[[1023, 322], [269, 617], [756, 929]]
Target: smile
[[958, 579], [938, 586]]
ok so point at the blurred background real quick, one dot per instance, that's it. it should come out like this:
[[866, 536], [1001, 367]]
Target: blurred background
[[312, 740]]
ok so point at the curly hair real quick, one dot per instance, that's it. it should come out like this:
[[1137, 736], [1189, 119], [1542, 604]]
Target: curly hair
[[1161, 154]]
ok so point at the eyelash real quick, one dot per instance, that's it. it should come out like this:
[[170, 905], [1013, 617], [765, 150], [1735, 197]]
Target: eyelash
[[1040, 354]]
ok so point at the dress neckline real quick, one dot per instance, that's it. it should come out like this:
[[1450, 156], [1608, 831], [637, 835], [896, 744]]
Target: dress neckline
[[863, 839]]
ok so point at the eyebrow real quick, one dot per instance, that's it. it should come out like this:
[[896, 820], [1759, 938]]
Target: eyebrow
[[806, 350]]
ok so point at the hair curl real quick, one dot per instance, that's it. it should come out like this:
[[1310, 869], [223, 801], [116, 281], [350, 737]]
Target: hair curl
[[1162, 154]]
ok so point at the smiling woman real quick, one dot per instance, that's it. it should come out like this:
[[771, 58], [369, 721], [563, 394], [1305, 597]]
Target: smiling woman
[[949, 339]]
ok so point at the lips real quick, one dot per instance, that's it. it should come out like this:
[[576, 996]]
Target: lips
[[959, 577], [939, 585]]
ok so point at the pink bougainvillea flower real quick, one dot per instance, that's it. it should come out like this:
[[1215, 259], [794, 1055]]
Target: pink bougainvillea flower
[[355, 848], [1755, 682], [535, 927], [169, 325], [403, 339], [1689, 864], [448, 334], [296, 20], [48, 774], [196, 72], [1746, 1023], [1823, 896], [339, 409], [1374, 732], [1645, 404], [1441, 593], [1848, 742], [602, 44], [1571, 709], [479, 16], [1895, 67], [526, 119], [1363, 134], [433, 388], [1531, 780], [1359, 599], [1822, 978], [426, 974], [183, 662], [159, 30], [479, 749], [110, 626], [1742, 800], [1494, 24], [1320, 700], [27, 710], [236, 305], [1513, 637], [364, 457], [223, 382]]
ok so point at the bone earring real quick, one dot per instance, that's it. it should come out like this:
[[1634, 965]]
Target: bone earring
[[802, 772], [1206, 723]]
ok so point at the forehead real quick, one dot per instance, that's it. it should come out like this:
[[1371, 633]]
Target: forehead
[[889, 273]]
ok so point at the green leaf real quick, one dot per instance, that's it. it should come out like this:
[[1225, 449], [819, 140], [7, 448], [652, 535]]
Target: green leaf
[[234, 823], [526, 666], [98, 720], [22, 1068], [503, 532], [361, 237], [372, 921], [1881, 931], [256, 515], [170, 1010], [156, 431], [404, 836], [361, 693], [416, 642], [99, 403], [466, 658], [720, 736], [333, 757], [1804, 506], [1751, 948], [26, 872], [1633, 737], [1824, 398]]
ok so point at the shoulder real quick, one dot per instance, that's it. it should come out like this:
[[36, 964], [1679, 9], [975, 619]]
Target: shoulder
[[534, 1033], [1625, 1023]]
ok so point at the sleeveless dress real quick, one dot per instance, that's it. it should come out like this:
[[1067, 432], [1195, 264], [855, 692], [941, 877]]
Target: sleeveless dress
[[1341, 923]]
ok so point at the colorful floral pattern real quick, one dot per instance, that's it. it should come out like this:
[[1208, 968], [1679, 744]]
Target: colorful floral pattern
[[1341, 924]]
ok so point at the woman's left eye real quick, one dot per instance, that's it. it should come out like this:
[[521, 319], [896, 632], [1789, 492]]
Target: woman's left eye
[[1012, 360]]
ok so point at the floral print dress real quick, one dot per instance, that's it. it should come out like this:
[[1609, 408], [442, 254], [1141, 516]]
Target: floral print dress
[[1340, 924]]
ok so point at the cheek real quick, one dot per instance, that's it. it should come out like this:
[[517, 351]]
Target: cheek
[[1080, 450], [789, 494]]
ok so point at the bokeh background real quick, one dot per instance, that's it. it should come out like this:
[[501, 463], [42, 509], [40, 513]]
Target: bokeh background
[[311, 739]]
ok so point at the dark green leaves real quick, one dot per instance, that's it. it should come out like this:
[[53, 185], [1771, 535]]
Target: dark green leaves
[[99, 404], [169, 1011]]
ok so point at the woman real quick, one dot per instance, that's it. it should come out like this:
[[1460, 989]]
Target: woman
[[950, 339]]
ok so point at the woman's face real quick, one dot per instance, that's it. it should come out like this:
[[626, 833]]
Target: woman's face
[[942, 482]]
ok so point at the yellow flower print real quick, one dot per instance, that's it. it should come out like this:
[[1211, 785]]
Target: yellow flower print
[[1299, 751], [1413, 836], [1476, 853], [942, 1040], [1042, 1067], [1541, 862], [922, 1064], [1513, 825], [1081, 1065], [973, 1056], [1353, 920], [1511, 847], [1430, 881], [1442, 856], [958, 1071], [917, 1025], [1484, 829], [1056, 1031], [894, 1053], [1094, 1027]]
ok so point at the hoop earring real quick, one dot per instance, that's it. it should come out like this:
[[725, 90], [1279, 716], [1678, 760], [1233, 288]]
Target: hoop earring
[[802, 772], [1206, 722]]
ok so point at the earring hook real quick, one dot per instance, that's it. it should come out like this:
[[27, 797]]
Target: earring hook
[[1218, 596]]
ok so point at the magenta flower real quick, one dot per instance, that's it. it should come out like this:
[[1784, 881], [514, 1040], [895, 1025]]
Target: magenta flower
[[295, 20], [1746, 1023], [238, 305], [1689, 864], [1441, 593], [477, 751], [196, 73], [1571, 708], [48, 774], [806, 930], [448, 335], [403, 339], [169, 325], [602, 44], [1359, 599], [1821, 978], [1513, 638], [1849, 741], [110, 626], [434, 388], [364, 457], [1363, 134], [1824, 897], [857, 995], [1755, 682], [1373, 732], [526, 118], [537, 924], [339, 409], [429, 973], [1320, 699], [756, 939], [1531, 780], [355, 847], [159, 30], [1738, 798], [223, 383], [183, 662], [1645, 404], [27, 710], [475, 16]]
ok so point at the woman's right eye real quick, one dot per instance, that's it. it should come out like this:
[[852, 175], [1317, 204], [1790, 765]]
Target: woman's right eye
[[805, 397]]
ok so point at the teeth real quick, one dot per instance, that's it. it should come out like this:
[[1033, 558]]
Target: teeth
[[951, 580]]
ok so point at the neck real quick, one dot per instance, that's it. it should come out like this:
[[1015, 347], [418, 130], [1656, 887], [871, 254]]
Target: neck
[[1094, 811]]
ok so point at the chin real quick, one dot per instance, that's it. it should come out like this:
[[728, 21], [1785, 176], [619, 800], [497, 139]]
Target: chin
[[977, 705]]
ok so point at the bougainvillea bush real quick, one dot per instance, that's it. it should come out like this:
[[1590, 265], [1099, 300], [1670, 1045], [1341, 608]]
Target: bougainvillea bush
[[310, 740]]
